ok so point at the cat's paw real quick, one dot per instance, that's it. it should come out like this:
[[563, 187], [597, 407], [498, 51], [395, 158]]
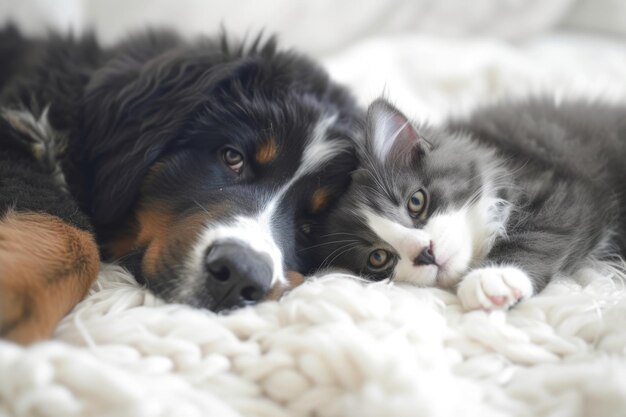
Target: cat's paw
[[494, 288]]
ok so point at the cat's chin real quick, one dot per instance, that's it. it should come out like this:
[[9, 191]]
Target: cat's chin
[[423, 276], [448, 277], [445, 275]]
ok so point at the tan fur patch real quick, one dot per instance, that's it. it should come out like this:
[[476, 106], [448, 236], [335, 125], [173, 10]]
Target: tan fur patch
[[121, 246], [319, 200], [153, 233], [167, 240], [267, 152], [294, 279], [153, 172], [123, 243], [46, 267]]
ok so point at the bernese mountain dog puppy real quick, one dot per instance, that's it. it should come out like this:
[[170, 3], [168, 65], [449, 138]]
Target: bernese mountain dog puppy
[[198, 165]]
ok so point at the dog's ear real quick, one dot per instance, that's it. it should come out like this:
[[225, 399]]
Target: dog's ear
[[133, 109]]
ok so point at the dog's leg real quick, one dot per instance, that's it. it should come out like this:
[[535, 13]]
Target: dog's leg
[[46, 267], [48, 255]]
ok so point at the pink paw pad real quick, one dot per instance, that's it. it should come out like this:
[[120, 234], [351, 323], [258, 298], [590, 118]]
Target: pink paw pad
[[494, 288], [497, 299]]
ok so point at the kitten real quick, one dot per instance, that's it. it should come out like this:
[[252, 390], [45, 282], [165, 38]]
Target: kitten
[[493, 207]]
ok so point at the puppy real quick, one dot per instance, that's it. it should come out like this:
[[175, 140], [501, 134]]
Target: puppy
[[197, 165]]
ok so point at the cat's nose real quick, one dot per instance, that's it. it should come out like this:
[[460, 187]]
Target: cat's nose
[[426, 257]]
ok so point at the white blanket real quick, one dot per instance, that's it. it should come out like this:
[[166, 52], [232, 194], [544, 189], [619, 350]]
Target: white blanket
[[339, 347]]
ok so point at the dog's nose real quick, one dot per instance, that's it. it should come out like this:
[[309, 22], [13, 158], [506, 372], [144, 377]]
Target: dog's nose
[[426, 257], [237, 274]]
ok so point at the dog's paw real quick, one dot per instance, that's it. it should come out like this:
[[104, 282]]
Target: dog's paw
[[494, 288]]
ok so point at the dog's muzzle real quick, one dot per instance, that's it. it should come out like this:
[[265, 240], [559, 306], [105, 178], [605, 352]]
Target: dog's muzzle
[[236, 274]]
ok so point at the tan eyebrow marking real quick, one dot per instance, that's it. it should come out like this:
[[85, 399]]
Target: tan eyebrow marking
[[319, 200], [267, 151]]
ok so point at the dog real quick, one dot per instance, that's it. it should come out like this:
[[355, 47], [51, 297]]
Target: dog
[[197, 165]]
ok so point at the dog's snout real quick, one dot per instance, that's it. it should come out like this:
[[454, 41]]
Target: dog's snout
[[237, 274]]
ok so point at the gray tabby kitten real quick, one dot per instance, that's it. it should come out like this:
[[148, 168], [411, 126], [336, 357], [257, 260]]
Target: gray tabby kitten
[[493, 207]]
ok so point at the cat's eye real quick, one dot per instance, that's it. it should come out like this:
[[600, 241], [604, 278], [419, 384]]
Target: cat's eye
[[417, 203], [379, 258], [233, 159]]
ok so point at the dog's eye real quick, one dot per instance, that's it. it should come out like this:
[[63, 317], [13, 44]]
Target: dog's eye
[[379, 259], [233, 159], [417, 203]]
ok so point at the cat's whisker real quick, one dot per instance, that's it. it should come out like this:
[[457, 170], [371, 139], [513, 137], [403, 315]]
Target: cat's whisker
[[340, 233], [347, 249], [200, 206], [327, 261], [328, 243], [376, 192], [473, 198]]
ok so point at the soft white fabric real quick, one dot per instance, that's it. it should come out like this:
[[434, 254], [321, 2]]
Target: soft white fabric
[[338, 347], [333, 347]]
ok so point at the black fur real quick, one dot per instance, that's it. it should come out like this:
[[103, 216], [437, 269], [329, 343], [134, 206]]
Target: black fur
[[157, 98]]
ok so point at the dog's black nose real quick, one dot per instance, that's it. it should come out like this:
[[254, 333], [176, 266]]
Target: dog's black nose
[[425, 257], [237, 274]]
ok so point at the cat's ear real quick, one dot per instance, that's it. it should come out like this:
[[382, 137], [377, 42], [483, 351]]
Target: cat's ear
[[390, 134]]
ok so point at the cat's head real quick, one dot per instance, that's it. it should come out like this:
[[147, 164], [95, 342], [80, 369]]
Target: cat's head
[[422, 207]]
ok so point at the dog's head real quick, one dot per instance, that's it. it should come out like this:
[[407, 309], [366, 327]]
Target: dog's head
[[208, 162]]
